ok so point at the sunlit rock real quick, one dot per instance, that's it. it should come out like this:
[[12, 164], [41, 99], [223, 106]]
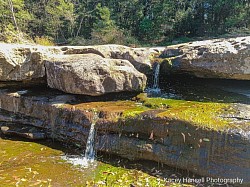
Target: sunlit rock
[[220, 58], [91, 74]]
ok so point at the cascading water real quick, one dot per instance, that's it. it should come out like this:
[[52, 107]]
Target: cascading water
[[155, 88], [90, 151], [156, 77], [89, 155]]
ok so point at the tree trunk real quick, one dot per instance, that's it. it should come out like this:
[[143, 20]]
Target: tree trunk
[[13, 15], [80, 26]]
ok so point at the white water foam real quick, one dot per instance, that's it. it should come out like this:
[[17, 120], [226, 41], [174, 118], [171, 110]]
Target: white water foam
[[89, 155]]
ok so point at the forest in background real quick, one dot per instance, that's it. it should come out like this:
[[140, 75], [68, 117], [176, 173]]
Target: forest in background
[[127, 22]]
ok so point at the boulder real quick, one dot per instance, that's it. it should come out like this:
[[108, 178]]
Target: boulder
[[91, 74], [219, 58], [139, 57], [23, 62]]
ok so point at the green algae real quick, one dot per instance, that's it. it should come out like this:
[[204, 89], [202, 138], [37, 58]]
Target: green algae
[[201, 114], [205, 115], [133, 112]]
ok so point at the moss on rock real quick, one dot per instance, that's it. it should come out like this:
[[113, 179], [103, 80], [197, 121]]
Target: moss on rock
[[202, 114]]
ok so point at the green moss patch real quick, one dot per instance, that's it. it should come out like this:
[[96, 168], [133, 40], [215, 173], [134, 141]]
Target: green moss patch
[[205, 115], [201, 114]]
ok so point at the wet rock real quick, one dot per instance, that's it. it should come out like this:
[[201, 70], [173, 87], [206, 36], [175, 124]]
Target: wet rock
[[215, 158], [91, 74], [29, 132], [220, 58]]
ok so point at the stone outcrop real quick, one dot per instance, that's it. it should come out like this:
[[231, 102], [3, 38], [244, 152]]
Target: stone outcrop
[[23, 62], [220, 58], [26, 62], [91, 74], [133, 129]]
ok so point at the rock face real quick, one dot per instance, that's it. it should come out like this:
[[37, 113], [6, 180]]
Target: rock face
[[91, 74], [96, 70], [221, 58]]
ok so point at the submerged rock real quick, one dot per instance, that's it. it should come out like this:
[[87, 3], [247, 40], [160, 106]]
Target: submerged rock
[[220, 58], [29, 132], [91, 74]]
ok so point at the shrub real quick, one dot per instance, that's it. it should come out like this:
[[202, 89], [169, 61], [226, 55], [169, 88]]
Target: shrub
[[46, 41]]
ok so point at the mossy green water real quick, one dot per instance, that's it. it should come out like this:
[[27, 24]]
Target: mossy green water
[[34, 164]]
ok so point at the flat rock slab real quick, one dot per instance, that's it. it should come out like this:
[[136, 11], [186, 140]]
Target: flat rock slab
[[29, 132]]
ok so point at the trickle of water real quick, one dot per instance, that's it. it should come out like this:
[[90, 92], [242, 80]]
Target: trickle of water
[[90, 151], [155, 88], [156, 77]]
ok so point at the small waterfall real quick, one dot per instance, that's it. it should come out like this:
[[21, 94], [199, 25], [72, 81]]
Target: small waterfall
[[90, 151], [156, 77], [155, 88], [89, 155]]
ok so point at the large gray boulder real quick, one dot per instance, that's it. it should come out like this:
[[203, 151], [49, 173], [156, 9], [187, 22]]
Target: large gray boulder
[[220, 58], [91, 74]]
